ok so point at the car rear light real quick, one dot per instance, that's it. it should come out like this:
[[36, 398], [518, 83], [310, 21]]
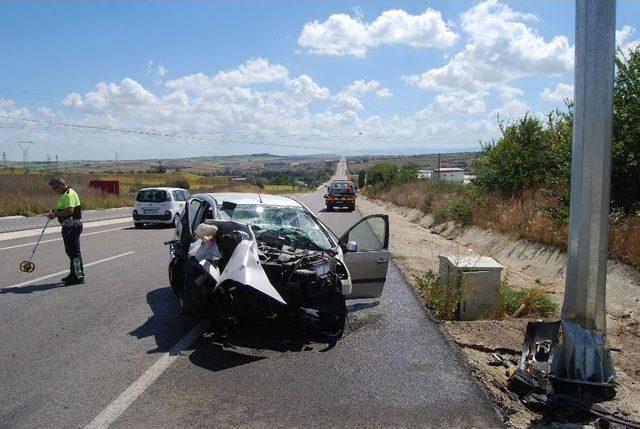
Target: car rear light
[[168, 197]]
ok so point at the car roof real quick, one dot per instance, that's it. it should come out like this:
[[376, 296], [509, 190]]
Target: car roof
[[253, 198], [160, 188]]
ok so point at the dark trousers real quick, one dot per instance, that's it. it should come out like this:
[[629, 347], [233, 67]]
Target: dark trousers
[[71, 230]]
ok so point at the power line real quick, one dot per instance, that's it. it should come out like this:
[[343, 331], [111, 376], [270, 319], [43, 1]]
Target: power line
[[212, 135]]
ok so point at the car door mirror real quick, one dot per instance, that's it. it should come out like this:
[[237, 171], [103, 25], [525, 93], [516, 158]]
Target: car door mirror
[[352, 246], [370, 233]]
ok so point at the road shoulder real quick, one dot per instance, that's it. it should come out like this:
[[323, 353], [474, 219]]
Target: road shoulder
[[415, 249]]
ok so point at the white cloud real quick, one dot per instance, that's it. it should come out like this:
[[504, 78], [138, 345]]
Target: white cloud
[[622, 39], [304, 88], [126, 95], [349, 97], [511, 109], [459, 102], [161, 72], [8, 108], [384, 93], [561, 92], [347, 102], [343, 34], [253, 71], [500, 48]]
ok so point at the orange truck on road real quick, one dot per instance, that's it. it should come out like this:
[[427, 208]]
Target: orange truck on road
[[340, 193]]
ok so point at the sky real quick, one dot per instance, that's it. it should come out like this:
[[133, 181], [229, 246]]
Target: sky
[[165, 79]]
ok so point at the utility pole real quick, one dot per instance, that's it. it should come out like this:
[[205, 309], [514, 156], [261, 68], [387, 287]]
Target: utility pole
[[4, 160], [48, 160], [583, 355], [439, 166], [24, 147]]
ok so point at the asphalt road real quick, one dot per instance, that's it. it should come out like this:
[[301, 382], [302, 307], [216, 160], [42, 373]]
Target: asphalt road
[[21, 223], [98, 352]]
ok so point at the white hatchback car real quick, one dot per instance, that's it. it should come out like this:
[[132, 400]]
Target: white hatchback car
[[159, 205]]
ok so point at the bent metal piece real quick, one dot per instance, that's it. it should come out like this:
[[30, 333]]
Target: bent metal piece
[[244, 267], [28, 266]]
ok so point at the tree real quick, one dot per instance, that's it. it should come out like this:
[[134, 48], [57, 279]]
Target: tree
[[362, 174], [625, 173], [520, 159]]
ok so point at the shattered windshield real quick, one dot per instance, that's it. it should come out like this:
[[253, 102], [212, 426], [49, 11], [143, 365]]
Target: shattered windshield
[[288, 219]]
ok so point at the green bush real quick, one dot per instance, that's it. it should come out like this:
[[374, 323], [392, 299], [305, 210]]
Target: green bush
[[457, 208], [443, 300], [536, 301]]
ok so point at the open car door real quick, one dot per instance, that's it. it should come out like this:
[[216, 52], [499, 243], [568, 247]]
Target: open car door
[[366, 252], [198, 208]]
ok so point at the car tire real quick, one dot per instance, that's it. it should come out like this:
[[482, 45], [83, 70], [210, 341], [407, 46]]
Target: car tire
[[352, 208], [332, 324], [329, 208], [138, 225], [176, 219]]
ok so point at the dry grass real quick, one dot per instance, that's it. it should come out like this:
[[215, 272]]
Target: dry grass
[[527, 217], [30, 195]]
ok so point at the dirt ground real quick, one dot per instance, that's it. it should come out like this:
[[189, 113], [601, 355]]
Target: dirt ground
[[415, 248]]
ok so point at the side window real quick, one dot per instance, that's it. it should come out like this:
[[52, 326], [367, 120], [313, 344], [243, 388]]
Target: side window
[[177, 196], [369, 234], [201, 215], [185, 195], [194, 207]]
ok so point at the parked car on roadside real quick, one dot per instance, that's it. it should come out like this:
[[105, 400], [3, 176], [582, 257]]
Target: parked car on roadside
[[273, 258], [159, 206]]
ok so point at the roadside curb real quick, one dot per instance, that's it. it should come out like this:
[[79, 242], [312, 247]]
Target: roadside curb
[[12, 217]]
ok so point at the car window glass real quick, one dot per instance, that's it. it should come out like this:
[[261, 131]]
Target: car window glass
[[193, 211], [369, 234], [177, 195], [268, 217], [185, 195], [151, 196]]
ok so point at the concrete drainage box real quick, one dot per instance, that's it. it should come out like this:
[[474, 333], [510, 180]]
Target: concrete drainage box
[[477, 278]]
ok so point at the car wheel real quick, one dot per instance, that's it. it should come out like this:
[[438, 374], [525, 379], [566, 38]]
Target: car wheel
[[329, 208], [138, 225], [176, 220], [352, 208], [332, 324]]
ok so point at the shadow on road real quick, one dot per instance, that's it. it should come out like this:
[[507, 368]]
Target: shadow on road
[[164, 325], [217, 352], [37, 288]]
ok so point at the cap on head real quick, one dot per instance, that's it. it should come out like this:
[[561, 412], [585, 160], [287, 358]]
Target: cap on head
[[57, 181]]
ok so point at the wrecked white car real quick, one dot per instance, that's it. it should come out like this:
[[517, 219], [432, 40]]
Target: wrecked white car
[[271, 258]]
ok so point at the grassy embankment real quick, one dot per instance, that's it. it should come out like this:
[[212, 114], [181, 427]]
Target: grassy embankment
[[30, 195], [530, 216]]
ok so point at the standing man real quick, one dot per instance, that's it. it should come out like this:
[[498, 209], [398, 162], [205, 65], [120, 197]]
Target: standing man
[[69, 213]]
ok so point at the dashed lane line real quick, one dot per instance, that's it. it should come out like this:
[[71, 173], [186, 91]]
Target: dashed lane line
[[59, 239], [28, 282], [131, 393]]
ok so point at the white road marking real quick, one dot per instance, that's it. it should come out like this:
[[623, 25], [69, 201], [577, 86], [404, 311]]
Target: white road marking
[[59, 239], [35, 232], [28, 282], [131, 393]]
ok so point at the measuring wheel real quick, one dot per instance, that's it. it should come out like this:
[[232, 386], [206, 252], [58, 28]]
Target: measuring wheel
[[27, 266]]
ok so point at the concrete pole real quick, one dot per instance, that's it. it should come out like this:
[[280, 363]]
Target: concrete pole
[[583, 356]]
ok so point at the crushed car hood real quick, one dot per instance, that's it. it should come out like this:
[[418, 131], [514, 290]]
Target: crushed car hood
[[243, 267]]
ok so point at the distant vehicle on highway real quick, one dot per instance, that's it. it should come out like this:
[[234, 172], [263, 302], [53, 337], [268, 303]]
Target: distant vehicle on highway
[[340, 193], [273, 258], [159, 206]]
